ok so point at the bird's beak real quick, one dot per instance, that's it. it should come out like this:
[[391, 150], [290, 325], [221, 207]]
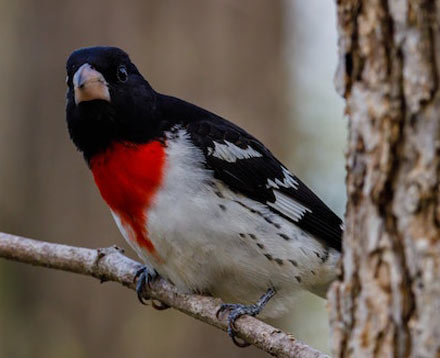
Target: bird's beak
[[90, 85]]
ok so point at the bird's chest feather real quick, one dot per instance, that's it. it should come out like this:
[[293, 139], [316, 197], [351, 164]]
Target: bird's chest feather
[[128, 177]]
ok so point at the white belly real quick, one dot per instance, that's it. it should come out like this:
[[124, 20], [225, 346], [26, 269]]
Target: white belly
[[215, 241]]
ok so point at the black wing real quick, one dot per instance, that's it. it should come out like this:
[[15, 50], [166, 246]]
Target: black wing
[[247, 166]]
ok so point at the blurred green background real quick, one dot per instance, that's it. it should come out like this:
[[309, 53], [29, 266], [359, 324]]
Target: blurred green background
[[264, 64]]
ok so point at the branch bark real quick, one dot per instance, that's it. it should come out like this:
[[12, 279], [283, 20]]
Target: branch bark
[[110, 264]]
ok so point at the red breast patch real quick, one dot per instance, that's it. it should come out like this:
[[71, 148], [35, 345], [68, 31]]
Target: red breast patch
[[128, 176]]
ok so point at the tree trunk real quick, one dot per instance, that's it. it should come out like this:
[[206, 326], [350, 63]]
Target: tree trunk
[[387, 303]]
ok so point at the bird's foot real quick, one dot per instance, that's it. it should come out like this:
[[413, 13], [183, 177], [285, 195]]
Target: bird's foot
[[143, 277], [237, 310]]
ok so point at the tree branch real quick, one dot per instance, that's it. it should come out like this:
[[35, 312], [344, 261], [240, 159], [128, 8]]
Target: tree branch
[[111, 265]]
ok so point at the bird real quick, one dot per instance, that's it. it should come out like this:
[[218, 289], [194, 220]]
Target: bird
[[203, 203]]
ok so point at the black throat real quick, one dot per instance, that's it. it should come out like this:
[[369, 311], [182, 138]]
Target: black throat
[[95, 125]]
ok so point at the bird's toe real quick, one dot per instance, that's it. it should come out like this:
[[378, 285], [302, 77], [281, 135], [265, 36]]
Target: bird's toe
[[143, 278]]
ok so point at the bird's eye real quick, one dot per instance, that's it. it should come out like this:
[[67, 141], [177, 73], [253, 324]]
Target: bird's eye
[[122, 74]]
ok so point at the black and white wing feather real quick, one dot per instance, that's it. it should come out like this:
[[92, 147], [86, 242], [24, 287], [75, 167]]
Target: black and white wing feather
[[247, 166]]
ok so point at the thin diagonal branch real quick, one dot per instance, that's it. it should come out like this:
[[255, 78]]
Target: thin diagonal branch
[[111, 265]]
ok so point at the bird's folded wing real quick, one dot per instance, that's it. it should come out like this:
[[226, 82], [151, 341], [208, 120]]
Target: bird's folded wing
[[248, 167]]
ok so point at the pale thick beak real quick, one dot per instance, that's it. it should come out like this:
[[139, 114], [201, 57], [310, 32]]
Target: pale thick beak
[[89, 85]]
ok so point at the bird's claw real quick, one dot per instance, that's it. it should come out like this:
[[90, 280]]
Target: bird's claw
[[144, 276], [160, 306], [236, 310]]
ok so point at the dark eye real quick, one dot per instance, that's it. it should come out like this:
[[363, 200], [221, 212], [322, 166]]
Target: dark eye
[[122, 74]]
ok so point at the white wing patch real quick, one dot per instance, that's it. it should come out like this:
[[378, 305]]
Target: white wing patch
[[288, 206], [288, 181], [230, 152]]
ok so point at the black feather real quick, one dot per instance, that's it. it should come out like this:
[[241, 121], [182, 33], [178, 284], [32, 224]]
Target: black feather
[[249, 176]]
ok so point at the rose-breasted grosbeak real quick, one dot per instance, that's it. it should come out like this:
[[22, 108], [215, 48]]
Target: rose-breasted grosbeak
[[201, 201]]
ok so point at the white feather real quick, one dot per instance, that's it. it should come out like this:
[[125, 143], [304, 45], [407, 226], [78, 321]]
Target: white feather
[[288, 181], [231, 153], [288, 206], [225, 243]]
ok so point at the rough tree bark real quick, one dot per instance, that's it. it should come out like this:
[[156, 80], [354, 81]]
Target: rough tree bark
[[387, 303]]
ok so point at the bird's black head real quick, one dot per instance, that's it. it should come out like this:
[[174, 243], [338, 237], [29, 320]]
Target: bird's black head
[[107, 100]]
